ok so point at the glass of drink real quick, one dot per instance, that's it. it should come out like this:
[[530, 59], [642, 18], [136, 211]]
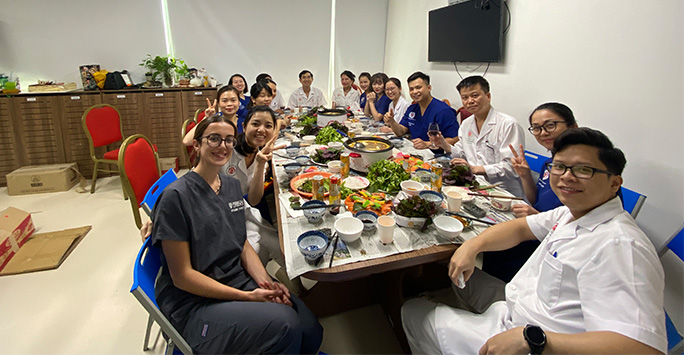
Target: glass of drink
[[433, 130]]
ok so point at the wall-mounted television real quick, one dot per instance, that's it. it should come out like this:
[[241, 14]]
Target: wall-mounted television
[[466, 32]]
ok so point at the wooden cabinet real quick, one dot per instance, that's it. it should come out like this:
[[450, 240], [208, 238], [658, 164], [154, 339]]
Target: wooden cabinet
[[39, 129], [45, 128], [76, 149], [9, 148]]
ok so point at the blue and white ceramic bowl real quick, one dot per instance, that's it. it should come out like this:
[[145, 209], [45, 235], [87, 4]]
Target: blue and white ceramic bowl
[[431, 196], [292, 151], [312, 245], [292, 170], [314, 215], [398, 142], [369, 219], [303, 159]]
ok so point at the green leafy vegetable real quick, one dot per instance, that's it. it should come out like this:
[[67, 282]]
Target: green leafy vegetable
[[386, 175], [326, 154], [306, 120], [328, 134], [415, 206]]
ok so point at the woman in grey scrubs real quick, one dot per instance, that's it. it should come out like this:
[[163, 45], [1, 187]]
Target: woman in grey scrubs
[[213, 287]]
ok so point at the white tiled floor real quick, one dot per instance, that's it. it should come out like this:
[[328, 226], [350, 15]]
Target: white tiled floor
[[84, 306]]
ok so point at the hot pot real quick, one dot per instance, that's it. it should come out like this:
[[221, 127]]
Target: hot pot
[[325, 116], [373, 150]]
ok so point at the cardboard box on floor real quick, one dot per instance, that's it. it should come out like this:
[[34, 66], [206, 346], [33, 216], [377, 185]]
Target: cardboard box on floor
[[22, 251], [34, 179]]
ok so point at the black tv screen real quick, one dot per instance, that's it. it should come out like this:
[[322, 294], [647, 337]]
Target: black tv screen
[[465, 33]]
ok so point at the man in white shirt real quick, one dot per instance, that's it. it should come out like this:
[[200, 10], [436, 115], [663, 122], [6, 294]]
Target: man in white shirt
[[484, 139], [306, 95], [594, 285]]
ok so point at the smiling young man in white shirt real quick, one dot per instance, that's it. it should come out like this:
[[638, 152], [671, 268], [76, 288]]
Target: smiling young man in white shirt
[[306, 95], [594, 285]]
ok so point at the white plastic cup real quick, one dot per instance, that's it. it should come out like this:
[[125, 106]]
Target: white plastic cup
[[501, 204], [386, 225], [454, 200]]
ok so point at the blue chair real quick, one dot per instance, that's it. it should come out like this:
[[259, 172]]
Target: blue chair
[[675, 345], [632, 201], [155, 190], [535, 161], [145, 270]]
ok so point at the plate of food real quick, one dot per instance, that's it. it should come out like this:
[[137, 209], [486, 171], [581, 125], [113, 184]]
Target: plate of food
[[356, 182], [414, 162], [302, 184], [364, 200], [323, 155]]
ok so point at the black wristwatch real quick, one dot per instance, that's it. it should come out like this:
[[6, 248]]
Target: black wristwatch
[[536, 338]]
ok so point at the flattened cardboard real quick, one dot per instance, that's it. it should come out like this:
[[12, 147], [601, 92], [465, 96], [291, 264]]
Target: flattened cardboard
[[16, 226], [34, 179], [45, 251]]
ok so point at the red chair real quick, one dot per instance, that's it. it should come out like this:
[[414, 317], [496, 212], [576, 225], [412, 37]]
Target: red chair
[[187, 126], [139, 170], [102, 126]]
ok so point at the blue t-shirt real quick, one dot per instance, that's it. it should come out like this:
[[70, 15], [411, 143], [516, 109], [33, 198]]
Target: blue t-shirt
[[546, 198], [437, 111], [242, 112], [382, 105], [362, 100]]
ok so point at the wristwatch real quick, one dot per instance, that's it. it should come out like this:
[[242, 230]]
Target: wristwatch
[[536, 338]]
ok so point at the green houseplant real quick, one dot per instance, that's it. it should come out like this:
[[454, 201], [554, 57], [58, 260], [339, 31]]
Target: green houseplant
[[165, 67]]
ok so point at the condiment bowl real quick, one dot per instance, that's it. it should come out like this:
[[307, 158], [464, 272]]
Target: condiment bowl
[[312, 245], [349, 228], [448, 227], [292, 151], [309, 139], [314, 215], [292, 169], [411, 187], [431, 196], [369, 219], [398, 142], [303, 159], [335, 166], [335, 145]]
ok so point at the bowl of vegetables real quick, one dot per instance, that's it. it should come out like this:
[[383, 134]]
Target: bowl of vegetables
[[324, 155], [413, 211], [386, 175], [458, 175]]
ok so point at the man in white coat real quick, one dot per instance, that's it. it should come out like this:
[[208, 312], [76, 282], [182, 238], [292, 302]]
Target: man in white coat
[[483, 138], [594, 285]]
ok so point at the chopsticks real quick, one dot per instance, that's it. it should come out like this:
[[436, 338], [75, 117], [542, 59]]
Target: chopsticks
[[332, 255], [496, 196], [480, 188], [470, 218], [315, 207]]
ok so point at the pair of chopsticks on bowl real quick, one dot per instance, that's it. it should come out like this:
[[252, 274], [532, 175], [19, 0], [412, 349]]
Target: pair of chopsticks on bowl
[[315, 207]]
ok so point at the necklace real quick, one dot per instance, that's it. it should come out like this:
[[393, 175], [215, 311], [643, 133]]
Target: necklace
[[216, 190]]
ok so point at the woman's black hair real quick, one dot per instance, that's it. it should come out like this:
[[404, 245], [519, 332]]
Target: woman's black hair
[[256, 89], [224, 89], [560, 109], [230, 81], [202, 126], [396, 82], [381, 77], [242, 146], [263, 76], [349, 75]]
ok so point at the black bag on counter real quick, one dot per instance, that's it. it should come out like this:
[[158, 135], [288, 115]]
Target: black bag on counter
[[114, 81]]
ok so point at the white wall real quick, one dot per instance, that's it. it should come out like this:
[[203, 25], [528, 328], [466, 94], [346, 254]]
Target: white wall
[[618, 64]]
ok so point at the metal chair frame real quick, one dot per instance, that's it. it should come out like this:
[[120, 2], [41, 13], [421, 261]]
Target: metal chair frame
[[126, 183], [91, 145]]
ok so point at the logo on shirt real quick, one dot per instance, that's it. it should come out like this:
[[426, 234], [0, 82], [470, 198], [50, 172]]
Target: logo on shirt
[[236, 205], [546, 175], [232, 170], [412, 115]]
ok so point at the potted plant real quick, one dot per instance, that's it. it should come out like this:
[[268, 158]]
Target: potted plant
[[183, 73], [162, 66]]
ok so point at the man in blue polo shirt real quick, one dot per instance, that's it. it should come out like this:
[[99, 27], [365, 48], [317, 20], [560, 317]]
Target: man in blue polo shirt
[[424, 111]]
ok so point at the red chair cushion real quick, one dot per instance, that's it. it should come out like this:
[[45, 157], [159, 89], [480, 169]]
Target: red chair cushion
[[112, 154], [200, 117], [141, 167], [104, 125]]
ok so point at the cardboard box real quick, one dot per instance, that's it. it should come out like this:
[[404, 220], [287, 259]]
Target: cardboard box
[[16, 226], [166, 164], [35, 179]]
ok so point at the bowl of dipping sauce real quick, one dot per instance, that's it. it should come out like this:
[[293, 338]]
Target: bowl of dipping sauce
[[369, 219], [411, 187]]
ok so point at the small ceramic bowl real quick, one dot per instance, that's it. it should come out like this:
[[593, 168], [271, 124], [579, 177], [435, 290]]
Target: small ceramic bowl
[[292, 170], [292, 151], [369, 219], [431, 196], [411, 187], [349, 229], [309, 139], [335, 166], [445, 160], [314, 215], [303, 159], [398, 142], [448, 227], [312, 245], [335, 145]]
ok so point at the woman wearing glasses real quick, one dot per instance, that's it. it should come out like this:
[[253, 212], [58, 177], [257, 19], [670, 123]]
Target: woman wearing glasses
[[212, 287], [547, 122]]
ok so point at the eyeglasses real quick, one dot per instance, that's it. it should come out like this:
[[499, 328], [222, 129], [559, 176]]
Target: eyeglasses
[[547, 126], [214, 141], [579, 171]]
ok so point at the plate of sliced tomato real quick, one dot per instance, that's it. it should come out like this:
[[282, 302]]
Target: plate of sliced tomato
[[364, 200], [414, 163]]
